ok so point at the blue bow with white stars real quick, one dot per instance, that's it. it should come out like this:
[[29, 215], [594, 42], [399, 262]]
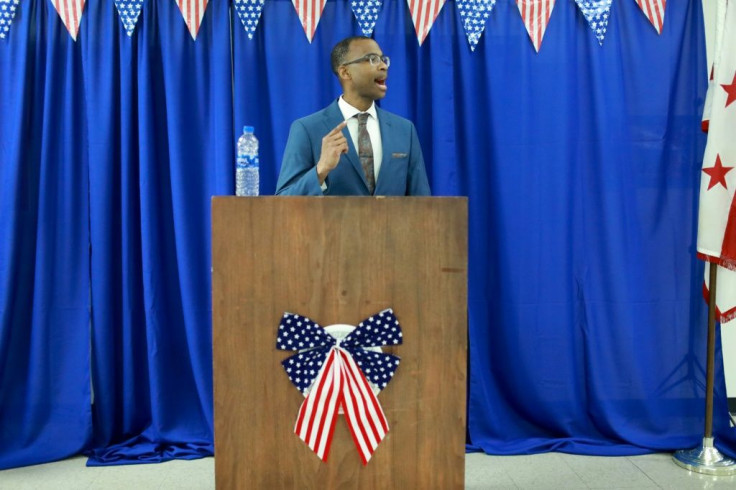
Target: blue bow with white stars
[[299, 333]]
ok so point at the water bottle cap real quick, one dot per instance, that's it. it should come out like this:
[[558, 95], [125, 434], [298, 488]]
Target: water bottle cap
[[247, 129]]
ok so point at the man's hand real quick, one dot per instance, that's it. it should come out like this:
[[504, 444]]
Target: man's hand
[[334, 144]]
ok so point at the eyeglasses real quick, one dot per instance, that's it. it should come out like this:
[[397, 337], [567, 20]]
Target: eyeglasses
[[372, 58]]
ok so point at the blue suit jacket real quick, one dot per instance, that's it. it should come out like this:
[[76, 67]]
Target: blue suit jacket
[[402, 169]]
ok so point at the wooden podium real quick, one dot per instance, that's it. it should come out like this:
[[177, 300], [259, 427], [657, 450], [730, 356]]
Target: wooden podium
[[339, 260]]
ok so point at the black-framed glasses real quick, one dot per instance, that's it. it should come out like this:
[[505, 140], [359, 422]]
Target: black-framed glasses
[[372, 58]]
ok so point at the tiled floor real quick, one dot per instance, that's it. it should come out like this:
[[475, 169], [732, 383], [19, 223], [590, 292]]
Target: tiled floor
[[540, 471]]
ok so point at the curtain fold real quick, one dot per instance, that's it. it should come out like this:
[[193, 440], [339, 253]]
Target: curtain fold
[[581, 164]]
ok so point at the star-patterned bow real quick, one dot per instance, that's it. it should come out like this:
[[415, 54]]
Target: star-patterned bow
[[327, 371]]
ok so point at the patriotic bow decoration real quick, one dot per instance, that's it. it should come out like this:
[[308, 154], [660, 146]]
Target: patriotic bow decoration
[[334, 374]]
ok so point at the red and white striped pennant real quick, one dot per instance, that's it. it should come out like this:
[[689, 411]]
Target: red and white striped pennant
[[423, 14], [341, 384], [536, 14], [70, 12], [309, 12], [654, 10], [192, 11]]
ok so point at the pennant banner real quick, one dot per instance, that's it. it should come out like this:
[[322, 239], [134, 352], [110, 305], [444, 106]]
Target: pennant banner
[[423, 15], [249, 12], [536, 14], [71, 14], [129, 11], [309, 12], [596, 13], [654, 10], [340, 376], [366, 13], [192, 11], [717, 215], [474, 14], [7, 14]]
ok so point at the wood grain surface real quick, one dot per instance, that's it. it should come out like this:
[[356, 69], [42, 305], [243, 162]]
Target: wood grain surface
[[339, 260]]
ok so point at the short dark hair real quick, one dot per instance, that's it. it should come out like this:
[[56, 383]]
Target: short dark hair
[[337, 57]]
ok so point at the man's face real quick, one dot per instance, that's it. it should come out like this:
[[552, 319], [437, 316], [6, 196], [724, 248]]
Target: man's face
[[366, 81]]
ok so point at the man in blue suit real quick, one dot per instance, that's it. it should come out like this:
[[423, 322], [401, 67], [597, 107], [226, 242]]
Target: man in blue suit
[[352, 147]]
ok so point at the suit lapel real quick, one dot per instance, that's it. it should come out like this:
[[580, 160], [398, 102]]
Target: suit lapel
[[333, 117], [388, 139]]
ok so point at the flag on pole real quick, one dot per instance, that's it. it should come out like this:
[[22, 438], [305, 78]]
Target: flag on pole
[[309, 12], [70, 12], [535, 14], [654, 10], [192, 11], [717, 216], [423, 14]]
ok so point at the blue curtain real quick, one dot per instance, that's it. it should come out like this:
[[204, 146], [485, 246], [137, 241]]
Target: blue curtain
[[581, 164]]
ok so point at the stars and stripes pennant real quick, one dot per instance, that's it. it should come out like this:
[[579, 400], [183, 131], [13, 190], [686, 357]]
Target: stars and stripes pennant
[[7, 14], [423, 15], [192, 11], [309, 12], [249, 12], [70, 12], [654, 10], [536, 14], [717, 214], [474, 14], [596, 12], [339, 376], [366, 13], [129, 11]]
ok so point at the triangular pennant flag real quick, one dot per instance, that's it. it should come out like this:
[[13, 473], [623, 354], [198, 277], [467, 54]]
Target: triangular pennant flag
[[423, 14], [654, 10], [474, 14], [596, 13], [309, 12], [70, 12], [192, 11], [7, 13], [535, 14], [129, 11], [366, 13], [249, 12]]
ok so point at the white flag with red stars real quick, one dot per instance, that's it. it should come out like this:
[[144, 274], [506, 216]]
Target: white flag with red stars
[[423, 14], [717, 218]]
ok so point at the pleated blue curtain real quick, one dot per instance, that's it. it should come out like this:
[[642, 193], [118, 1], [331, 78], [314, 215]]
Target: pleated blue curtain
[[581, 164]]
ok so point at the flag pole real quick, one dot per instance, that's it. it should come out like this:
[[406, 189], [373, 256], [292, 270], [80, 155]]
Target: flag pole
[[707, 459]]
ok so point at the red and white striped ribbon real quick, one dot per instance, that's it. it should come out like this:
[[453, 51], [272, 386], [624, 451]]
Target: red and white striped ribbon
[[341, 384], [654, 10]]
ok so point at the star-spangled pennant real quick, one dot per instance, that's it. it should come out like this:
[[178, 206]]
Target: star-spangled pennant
[[192, 11], [536, 14], [129, 11], [314, 343], [71, 14], [249, 12], [596, 12], [474, 14], [654, 10], [7, 14], [423, 15], [717, 212], [309, 12], [366, 13]]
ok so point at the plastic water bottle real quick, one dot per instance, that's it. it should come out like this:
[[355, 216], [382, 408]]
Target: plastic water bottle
[[246, 167]]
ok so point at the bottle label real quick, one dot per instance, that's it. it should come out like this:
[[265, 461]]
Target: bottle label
[[247, 161]]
